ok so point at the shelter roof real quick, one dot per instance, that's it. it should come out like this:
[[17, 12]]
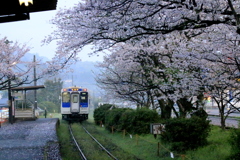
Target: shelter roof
[[27, 88], [10, 10]]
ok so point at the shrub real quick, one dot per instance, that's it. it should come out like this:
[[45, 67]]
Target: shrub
[[126, 120], [99, 113], [201, 113], [112, 118], [133, 121], [143, 118], [186, 134]]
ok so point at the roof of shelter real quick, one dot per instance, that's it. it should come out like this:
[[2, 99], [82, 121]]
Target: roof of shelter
[[11, 10], [27, 88]]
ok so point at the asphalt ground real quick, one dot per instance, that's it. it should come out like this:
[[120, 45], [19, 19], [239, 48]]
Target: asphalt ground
[[30, 140]]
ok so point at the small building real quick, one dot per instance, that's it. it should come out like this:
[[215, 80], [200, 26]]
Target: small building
[[19, 95]]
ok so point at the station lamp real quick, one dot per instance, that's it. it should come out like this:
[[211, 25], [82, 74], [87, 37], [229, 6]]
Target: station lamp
[[25, 2]]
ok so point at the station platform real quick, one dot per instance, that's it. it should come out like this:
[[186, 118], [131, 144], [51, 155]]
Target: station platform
[[30, 140]]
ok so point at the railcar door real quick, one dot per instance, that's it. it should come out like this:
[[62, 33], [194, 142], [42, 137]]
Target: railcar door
[[75, 103]]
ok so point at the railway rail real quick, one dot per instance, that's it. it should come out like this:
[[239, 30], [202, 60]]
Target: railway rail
[[83, 157], [109, 154], [94, 139]]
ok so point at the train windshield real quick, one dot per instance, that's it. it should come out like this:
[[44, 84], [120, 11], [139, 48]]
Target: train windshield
[[75, 99], [84, 97], [65, 97]]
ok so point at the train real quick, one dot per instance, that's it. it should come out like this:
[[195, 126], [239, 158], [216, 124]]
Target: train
[[74, 104]]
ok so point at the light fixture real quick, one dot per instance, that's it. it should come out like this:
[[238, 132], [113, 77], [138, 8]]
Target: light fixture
[[26, 2]]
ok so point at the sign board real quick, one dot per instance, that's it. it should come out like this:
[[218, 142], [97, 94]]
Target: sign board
[[18, 96], [4, 113], [157, 128]]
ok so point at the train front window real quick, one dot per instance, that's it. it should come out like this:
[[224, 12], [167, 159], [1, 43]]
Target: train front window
[[65, 97], [75, 99], [84, 97]]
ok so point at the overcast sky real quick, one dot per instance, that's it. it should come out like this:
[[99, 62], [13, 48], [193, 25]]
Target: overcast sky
[[33, 31]]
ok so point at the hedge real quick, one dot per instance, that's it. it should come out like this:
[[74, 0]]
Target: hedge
[[186, 134], [133, 121], [99, 113]]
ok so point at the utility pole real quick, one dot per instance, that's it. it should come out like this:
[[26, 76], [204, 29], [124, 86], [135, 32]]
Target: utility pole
[[35, 84], [10, 110], [72, 79]]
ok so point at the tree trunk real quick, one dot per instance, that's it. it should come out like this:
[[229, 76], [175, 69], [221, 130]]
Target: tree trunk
[[166, 109], [222, 119], [166, 112], [184, 107], [223, 125]]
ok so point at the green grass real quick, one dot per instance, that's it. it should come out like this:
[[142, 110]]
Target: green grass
[[142, 147], [218, 147], [108, 144], [90, 149], [51, 115], [66, 147], [145, 147]]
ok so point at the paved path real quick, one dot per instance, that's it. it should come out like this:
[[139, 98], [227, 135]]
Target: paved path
[[30, 140], [230, 122]]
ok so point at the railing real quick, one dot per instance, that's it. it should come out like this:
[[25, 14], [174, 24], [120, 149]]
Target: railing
[[24, 113]]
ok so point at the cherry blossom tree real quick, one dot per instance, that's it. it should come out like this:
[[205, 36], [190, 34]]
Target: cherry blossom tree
[[222, 68], [214, 56], [14, 69], [123, 78], [11, 56], [152, 68], [104, 23], [205, 64], [186, 36]]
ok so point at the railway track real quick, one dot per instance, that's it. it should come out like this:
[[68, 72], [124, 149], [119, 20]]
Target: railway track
[[83, 157], [101, 147]]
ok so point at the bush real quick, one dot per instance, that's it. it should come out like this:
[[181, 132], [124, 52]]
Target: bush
[[126, 120], [112, 118], [186, 134], [143, 118], [133, 121], [99, 113], [235, 144]]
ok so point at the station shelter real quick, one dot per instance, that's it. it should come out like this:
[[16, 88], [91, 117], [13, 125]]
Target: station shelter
[[19, 98]]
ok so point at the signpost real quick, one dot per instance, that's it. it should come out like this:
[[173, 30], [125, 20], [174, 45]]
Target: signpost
[[18, 96], [157, 128]]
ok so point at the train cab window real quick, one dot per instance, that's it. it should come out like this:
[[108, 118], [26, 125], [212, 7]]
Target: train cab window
[[84, 97], [65, 97], [75, 99]]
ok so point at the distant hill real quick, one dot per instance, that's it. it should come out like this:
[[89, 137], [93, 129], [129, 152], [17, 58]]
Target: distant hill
[[29, 57], [83, 75]]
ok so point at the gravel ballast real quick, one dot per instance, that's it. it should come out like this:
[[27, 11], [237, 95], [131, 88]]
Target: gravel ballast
[[30, 140]]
